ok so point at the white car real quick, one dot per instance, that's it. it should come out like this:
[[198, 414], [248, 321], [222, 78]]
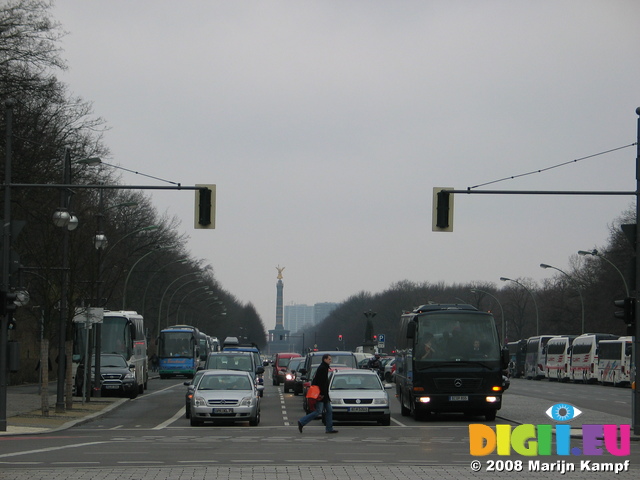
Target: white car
[[226, 395], [359, 395]]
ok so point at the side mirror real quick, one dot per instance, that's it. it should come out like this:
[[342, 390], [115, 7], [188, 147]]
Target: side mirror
[[186, 384], [265, 363], [411, 329], [260, 370], [505, 358]]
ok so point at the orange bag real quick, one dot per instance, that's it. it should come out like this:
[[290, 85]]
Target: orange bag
[[313, 392]]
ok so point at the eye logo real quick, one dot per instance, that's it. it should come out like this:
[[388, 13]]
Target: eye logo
[[563, 412]]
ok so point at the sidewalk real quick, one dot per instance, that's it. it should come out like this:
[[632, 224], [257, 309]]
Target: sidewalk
[[24, 413]]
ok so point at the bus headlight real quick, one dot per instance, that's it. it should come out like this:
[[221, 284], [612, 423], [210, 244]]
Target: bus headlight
[[424, 399], [492, 399]]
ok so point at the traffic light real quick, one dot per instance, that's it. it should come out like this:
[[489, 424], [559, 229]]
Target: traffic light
[[628, 312], [375, 338], [205, 206], [340, 337], [442, 220]]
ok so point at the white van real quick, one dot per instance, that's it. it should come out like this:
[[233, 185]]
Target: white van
[[584, 356], [614, 361], [558, 358]]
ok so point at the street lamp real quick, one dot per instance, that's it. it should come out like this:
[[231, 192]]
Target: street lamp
[[126, 281], [62, 218], [545, 266], [164, 293], [595, 253], [198, 280], [505, 279], [474, 290], [368, 331], [144, 297]]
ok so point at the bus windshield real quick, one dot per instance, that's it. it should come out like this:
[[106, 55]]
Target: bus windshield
[[445, 337], [176, 344], [116, 336]]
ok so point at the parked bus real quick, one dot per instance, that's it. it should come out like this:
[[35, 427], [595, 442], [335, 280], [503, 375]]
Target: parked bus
[[122, 332], [614, 361], [517, 353], [439, 369], [584, 356], [178, 351], [558, 360], [535, 357]]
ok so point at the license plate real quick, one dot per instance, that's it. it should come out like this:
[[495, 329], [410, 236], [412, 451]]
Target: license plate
[[459, 398], [359, 409], [111, 387], [222, 410]]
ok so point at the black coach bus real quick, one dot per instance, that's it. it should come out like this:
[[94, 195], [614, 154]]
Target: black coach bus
[[449, 360]]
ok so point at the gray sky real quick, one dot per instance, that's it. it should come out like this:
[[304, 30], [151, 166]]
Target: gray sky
[[325, 126]]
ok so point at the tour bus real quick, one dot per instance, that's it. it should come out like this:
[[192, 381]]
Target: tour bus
[[584, 356], [121, 332], [439, 370], [535, 357], [204, 345], [557, 366], [178, 351], [517, 352], [614, 361]]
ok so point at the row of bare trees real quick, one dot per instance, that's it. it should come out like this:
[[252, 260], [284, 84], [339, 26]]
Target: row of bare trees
[[553, 307], [47, 122]]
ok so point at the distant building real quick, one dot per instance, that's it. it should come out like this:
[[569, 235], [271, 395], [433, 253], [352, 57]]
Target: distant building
[[298, 317]]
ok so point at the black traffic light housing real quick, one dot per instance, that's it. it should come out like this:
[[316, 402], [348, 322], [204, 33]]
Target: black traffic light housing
[[205, 206], [627, 313]]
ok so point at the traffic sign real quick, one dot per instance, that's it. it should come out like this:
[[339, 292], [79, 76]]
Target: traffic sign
[[381, 338]]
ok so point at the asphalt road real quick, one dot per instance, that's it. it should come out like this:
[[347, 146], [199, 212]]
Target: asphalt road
[[152, 431]]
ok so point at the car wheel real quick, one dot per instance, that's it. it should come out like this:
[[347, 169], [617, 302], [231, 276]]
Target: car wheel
[[195, 423], [404, 411], [134, 393], [490, 415], [254, 422], [286, 389], [386, 421], [187, 412]]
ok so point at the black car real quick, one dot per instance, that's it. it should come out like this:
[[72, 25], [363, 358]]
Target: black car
[[291, 378], [118, 377], [191, 386]]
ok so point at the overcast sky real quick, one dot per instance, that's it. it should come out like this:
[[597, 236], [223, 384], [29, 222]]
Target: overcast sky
[[325, 126]]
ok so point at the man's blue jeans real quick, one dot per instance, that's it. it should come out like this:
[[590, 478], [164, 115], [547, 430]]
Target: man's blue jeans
[[328, 415]]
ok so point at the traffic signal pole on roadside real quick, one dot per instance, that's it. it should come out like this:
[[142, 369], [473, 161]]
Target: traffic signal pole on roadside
[[442, 221]]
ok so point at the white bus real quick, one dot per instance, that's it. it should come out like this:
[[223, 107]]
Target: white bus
[[614, 361], [535, 357], [558, 358], [584, 356], [122, 332]]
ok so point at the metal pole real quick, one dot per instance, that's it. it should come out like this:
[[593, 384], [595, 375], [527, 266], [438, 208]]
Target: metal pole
[[473, 290], [64, 203], [635, 400], [6, 255]]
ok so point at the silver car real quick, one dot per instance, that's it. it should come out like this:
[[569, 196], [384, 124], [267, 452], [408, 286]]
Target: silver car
[[359, 395], [226, 395]]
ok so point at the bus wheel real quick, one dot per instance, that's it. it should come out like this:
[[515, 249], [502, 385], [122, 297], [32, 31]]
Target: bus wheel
[[490, 415], [404, 411], [134, 393]]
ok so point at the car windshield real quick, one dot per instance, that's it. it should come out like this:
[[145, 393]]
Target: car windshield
[[111, 361], [355, 382], [295, 363], [337, 359], [230, 362], [225, 382]]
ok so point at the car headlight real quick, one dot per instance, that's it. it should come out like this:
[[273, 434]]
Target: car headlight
[[380, 401], [246, 402], [200, 402], [289, 377], [337, 401], [130, 376]]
